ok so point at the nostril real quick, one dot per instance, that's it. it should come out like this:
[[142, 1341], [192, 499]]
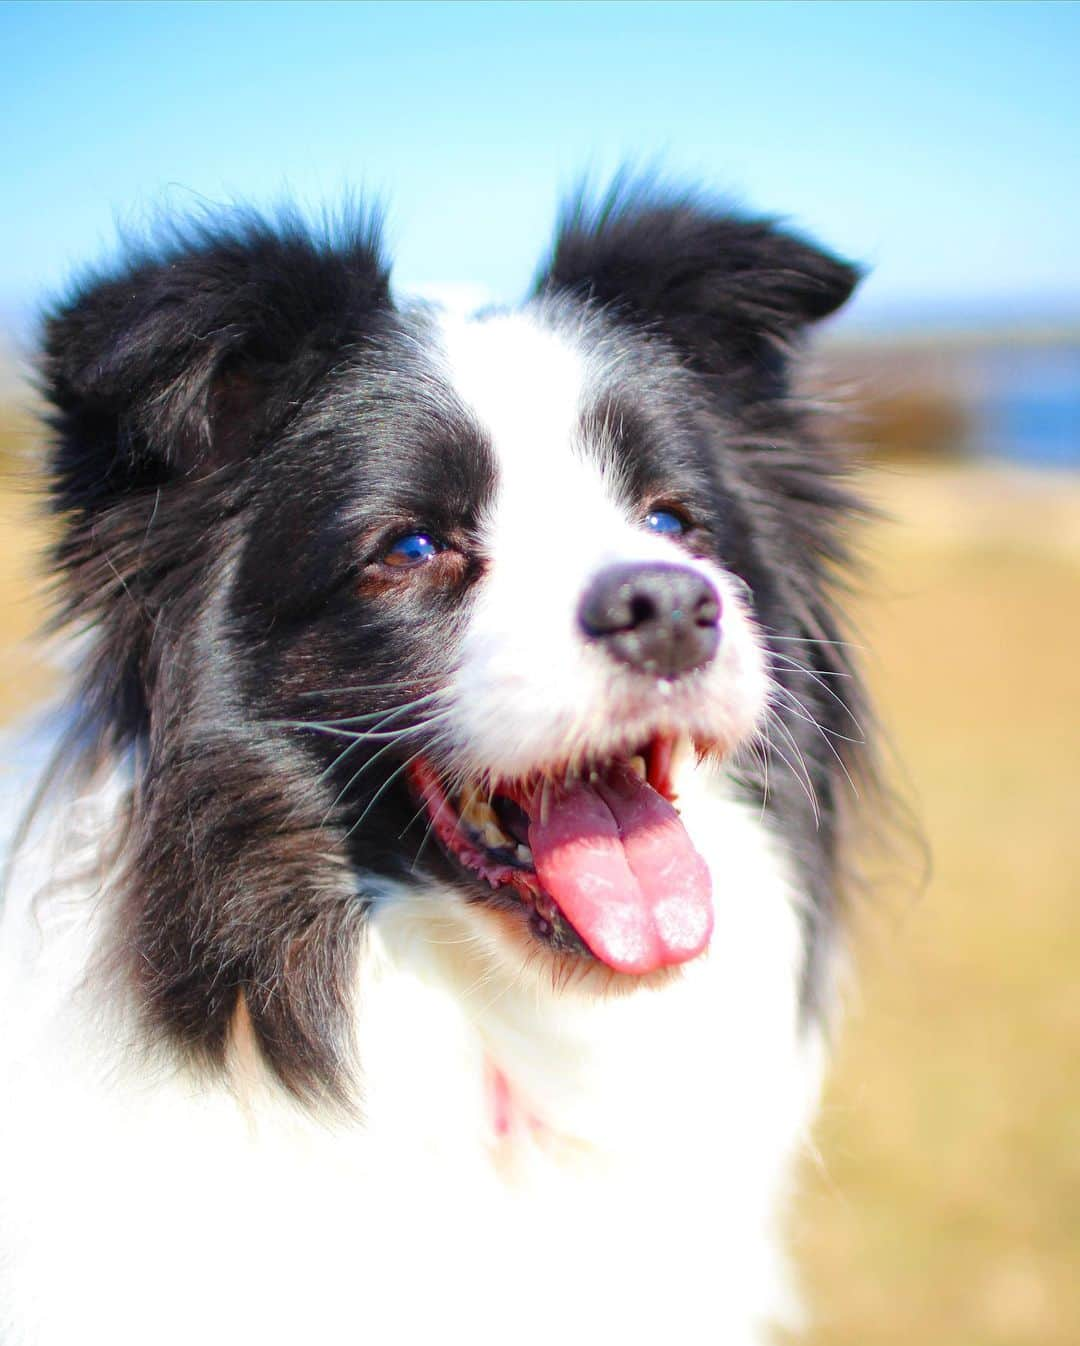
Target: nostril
[[707, 608], [642, 609]]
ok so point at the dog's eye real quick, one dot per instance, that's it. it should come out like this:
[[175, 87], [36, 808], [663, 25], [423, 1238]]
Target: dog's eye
[[665, 521], [411, 550]]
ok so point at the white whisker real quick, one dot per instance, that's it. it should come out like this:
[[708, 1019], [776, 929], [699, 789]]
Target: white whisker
[[795, 666], [804, 714], [372, 686], [375, 757], [815, 640], [803, 776]]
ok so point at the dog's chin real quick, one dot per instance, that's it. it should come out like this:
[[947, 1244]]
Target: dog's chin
[[583, 867]]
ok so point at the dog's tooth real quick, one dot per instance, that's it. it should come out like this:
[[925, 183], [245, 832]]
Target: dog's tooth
[[474, 808], [681, 752], [524, 855], [480, 814], [545, 800], [494, 836], [637, 766]]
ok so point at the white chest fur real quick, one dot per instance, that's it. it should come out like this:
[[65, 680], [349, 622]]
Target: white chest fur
[[532, 1164]]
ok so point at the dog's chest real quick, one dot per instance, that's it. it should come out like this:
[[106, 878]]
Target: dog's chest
[[613, 1162], [529, 1162]]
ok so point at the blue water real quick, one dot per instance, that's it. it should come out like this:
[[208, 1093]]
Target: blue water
[[1028, 406]]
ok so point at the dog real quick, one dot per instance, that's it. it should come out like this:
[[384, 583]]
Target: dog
[[429, 923]]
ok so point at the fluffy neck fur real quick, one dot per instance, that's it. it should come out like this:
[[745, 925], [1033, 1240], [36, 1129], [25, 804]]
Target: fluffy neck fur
[[526, 1158]]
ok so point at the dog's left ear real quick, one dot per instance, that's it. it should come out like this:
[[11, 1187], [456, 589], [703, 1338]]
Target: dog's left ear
[[732, 293]]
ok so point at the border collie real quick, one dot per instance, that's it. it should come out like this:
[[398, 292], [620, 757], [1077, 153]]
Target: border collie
[[427, 929]]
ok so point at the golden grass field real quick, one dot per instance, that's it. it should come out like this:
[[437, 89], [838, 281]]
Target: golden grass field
[[946, 1206], [943, 1207]]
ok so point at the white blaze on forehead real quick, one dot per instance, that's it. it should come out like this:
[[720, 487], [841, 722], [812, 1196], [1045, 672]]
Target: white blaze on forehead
[[528, 386], [523, 381]]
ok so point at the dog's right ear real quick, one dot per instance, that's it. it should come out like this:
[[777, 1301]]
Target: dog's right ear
[[188, 356]]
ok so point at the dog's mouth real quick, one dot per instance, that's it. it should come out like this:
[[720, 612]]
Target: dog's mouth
[[596, 855]]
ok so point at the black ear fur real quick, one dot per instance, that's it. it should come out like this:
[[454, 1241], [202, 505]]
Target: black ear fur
[[732, 292], [173, 365], [164, 377]]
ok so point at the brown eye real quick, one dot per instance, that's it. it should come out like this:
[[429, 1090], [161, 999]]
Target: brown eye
[[411, 550]]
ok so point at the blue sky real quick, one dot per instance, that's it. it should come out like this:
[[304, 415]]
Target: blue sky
[[939, 143]]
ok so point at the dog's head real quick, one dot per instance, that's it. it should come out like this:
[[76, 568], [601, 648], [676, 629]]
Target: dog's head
[[382, 596]]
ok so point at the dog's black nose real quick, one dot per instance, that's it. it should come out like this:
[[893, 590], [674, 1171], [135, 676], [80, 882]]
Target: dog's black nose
[[657, 618]]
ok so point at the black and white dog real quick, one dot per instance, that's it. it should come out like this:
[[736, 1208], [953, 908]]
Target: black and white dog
[[428, 932]]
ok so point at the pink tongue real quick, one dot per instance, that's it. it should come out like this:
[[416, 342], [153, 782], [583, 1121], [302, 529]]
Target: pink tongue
[[616, 858]]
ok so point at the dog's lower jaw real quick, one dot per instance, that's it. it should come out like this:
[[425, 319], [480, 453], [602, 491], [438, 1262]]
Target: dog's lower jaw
[[626, 1183]]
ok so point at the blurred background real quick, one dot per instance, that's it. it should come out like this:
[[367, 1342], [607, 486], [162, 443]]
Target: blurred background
[[939, 145]]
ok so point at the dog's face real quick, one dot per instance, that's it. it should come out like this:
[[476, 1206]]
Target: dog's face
[[385, 595], [518, 618]]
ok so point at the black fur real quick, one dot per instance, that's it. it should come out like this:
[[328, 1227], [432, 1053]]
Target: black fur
[[243, 420], [733, 294]]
